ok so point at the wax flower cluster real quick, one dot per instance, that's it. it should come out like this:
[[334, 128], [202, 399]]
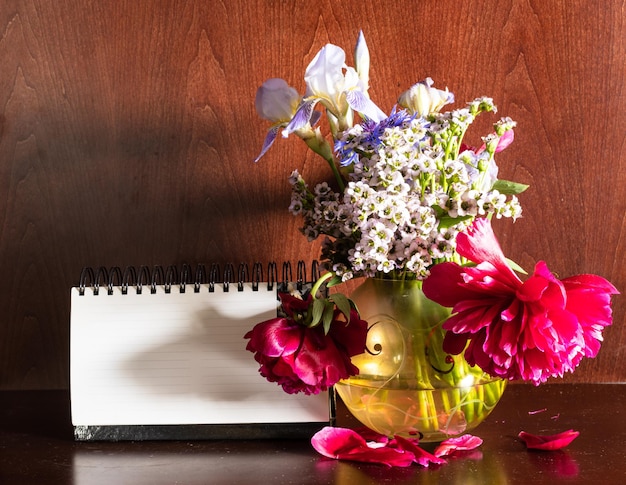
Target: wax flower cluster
[[412, 186]]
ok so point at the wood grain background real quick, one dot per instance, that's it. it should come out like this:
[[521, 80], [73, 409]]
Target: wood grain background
[[128, 130]]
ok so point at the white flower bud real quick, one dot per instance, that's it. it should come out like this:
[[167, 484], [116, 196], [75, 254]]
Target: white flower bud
[[423, 99]]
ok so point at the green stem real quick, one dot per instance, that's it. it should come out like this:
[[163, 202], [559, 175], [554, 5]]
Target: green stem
[[318, 284], [336, 173], [323, 149]]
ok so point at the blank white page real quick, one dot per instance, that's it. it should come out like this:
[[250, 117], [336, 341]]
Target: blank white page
[[175, 358]]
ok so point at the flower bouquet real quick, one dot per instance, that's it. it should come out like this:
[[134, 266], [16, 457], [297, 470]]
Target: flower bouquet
[[410, 202]]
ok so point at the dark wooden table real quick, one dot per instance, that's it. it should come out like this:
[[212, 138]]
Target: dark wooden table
[[36, 447]]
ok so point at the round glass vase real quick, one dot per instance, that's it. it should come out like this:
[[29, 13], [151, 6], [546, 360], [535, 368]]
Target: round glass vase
[[407, 385]]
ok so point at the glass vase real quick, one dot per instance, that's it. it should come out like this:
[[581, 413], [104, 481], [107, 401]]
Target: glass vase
[[407, 385]]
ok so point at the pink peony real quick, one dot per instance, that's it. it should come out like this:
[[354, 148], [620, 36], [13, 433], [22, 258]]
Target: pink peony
[[304, 359], [529, 330]]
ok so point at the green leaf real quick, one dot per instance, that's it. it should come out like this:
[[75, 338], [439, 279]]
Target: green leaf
[[515, 267], [317, 312], [329, 313], [509, 188], [343, 304], [447, 221]]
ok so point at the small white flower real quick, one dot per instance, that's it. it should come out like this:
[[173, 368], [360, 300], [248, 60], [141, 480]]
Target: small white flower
[[322, 189], [295, 207]]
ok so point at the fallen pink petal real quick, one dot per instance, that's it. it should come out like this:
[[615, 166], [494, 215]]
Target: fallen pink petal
[[422, 457], [347, 444], [371, 435], [548, 442], [450, 446], [538, 411]]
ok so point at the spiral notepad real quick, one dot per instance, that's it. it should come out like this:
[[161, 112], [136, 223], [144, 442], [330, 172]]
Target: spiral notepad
[[159, 354]]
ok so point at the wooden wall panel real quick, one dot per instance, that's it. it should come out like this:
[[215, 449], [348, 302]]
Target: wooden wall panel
[[128, 130]]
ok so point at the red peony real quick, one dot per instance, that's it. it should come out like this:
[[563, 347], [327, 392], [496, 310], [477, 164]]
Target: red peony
[[305, 359], [529, 330]]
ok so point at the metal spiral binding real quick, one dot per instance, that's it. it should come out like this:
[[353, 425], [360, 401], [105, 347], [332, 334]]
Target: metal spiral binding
[[272, 276], [184, 274], [287, 276], [257, 276], [213, 276], [243, 276], [200, 278], [170, 276], [114, 275], [128, 277]]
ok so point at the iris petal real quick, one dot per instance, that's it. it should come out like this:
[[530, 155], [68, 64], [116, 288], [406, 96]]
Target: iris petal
[[301, 118], [324, 76], [269, 141], [363, 105]]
